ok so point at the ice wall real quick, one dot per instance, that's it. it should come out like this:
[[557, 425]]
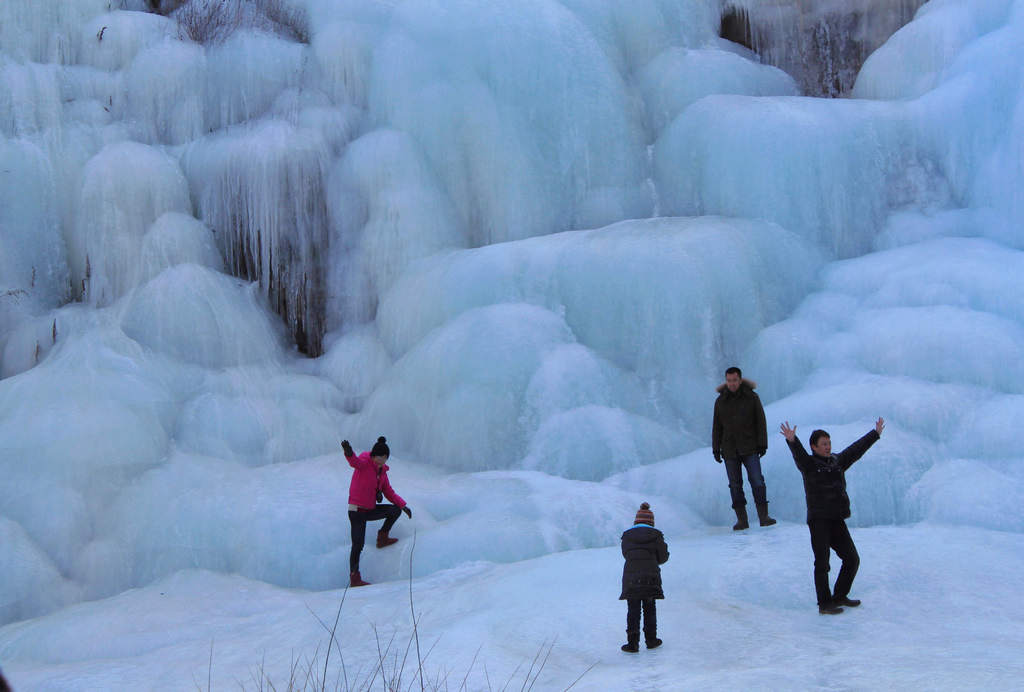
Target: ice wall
[[550, 130], [844, 162], [923, 136], [508, 124], [491, 140], [604, 341]]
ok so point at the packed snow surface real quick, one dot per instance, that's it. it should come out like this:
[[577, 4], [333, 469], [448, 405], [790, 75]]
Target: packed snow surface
[[939, 612]]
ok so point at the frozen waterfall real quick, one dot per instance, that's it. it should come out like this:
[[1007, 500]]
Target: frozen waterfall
[[520, 238]]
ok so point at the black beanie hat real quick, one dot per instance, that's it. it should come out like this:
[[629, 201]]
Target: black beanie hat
[[380, 449]]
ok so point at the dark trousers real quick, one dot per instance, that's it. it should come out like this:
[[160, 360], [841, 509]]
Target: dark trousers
[[358, 519], [633, 608], [734, 468], [826, 535]]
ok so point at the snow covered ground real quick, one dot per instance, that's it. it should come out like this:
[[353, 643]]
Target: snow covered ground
[[941, 611]]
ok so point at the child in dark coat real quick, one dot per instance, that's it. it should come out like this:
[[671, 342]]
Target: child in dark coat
[[644, 548]]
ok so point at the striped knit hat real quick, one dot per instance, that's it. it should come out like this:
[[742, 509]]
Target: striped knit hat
[[644, 515]]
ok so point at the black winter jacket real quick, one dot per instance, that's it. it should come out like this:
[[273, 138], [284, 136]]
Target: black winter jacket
[[738, 428], [825, 479], [644, 549]]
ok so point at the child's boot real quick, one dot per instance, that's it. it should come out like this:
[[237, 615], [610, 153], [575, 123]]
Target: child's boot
[[632, 644], [651, 639], [356, 580]]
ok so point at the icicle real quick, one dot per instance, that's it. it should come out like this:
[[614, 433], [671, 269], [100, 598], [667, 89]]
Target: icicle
[[125, 188], [111, 41], [262, 192], [33, 262], [246, 73], [169, 109], [45, 31], [821, 44], [30, 99]]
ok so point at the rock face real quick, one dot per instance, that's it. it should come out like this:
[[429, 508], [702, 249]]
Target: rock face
[[821, 43]]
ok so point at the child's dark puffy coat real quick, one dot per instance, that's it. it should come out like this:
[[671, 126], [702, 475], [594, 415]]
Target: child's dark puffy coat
[[644, 549]]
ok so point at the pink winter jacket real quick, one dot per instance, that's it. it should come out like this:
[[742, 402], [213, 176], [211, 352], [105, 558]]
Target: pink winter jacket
[[365, 482]]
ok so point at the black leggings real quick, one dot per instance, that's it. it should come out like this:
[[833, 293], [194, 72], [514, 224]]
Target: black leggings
[[358, 519], [827, 535], [633, 608]]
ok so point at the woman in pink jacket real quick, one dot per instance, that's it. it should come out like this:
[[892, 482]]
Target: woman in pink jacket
[[369, 486]]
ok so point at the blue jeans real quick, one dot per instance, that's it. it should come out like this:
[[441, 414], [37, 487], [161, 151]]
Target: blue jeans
[[733, 467]]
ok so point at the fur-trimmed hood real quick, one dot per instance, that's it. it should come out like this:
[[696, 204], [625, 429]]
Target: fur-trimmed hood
[[743, 381]]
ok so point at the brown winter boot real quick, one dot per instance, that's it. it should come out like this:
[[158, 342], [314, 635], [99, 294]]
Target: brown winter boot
[[383, 541], [741, 519], [762, 515], [355, 580]]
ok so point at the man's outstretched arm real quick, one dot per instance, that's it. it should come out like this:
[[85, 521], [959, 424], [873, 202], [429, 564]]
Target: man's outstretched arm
[[800, 455], [855, 451]]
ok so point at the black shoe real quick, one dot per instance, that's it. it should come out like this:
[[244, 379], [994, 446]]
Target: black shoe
[[653, 643], [741, 519], [844, 601], [829, 609], [631, 647]]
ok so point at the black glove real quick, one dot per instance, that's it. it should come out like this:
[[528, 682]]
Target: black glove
[[347, 448], [718, 456], [761, 451], [408, 512]]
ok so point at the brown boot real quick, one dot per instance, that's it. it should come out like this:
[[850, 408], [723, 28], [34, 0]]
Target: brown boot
[[741, 519], [762, 515], [355, 580], [383, 540]]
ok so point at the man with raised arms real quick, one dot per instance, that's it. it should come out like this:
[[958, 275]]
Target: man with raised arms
[[828, 506]]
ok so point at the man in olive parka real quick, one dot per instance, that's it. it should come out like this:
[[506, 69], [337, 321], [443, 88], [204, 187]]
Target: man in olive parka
[[739, 435], [644, 549]]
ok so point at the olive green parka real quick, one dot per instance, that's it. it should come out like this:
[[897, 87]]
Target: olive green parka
[[738, 428]]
